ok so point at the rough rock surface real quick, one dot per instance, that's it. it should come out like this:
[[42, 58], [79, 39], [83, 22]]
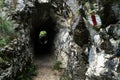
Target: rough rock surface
[[17, 55], [68, 52], [104, 51], [101, 51], [94, 56]]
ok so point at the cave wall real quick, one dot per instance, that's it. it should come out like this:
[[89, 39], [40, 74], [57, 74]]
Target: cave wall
[[103, 64], [17, 55], [75, 54], [68, 45]]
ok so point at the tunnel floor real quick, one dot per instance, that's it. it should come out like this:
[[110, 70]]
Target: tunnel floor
[[44, 66], [44, 60]]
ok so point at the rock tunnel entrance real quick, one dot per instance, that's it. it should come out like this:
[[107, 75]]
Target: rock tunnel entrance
[[43, 38], [42, 21]]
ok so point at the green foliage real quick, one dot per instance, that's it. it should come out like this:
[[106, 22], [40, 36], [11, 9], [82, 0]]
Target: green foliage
[[6, 26], [57, 66], [32, 70], [42, 33], [1, 3], [65, 78], [7, 32], [2, 42], [28, 73], [5, 39]]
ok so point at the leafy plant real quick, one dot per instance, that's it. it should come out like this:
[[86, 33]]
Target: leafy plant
[[28, 73], [57, 66], [6, 26], [7, 32], [5, 39], [32, 70], [2, 42], [42, 33]]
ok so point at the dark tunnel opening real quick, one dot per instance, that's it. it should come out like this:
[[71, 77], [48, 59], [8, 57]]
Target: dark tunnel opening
[[43, 38], [42, 21]]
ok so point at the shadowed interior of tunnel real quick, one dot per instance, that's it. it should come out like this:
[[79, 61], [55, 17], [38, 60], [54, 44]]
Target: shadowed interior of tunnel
[[42, 37], [43, 29]]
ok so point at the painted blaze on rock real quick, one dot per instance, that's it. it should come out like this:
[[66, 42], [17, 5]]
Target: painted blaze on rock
[[91, 13]]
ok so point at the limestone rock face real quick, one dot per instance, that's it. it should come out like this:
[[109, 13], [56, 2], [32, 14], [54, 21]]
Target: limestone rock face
[[67, 50], [104, 56], [101, 51], [17, 55]]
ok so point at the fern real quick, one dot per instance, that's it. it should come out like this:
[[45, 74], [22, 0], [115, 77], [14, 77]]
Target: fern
[[6, 26], [7, 32]]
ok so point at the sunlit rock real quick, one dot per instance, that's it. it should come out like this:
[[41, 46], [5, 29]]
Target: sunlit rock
[[20, 5], [103, 61], [43, 1]]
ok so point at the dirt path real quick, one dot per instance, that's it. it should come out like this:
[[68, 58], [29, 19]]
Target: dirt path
[[44, 68]]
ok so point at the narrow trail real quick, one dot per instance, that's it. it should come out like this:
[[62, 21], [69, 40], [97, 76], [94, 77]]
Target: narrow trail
[[44, 68]]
